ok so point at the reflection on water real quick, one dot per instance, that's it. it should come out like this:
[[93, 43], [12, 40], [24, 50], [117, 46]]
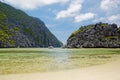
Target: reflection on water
[[55, 59], [59, 59], [40, 60]]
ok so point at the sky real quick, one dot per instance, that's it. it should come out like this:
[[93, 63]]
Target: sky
[[62, 17]]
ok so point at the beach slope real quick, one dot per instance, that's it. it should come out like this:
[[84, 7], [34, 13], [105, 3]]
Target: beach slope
[[110, 71]]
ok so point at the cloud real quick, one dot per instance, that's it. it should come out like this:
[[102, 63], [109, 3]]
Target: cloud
[[108, 5], [32, 4], [84, 17], [110, 19], [72, 10], [114, 18], [110, 12]]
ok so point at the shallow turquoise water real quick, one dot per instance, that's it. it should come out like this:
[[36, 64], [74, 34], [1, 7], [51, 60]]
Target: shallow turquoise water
[[24, 60]]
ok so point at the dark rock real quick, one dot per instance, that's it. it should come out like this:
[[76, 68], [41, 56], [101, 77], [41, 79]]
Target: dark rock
[[100, 35], [22, 30]]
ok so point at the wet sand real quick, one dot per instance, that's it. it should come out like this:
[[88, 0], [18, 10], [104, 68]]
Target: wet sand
[[109, 71]]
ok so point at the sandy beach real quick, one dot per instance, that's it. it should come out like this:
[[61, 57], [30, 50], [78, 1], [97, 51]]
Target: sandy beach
[[110, 71]]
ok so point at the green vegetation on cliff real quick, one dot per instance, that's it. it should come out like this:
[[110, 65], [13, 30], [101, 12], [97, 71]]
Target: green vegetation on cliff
[[21, 30], [97, 35], [5, 33]]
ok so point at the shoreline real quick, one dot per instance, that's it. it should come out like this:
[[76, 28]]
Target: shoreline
[[109, 71]]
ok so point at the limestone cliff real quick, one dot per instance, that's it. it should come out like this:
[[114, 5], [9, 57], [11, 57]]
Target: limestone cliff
[[17, 29], [100, 35]]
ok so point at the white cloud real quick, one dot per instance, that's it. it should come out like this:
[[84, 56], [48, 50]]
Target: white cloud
[[108, 5], [110, 19], [84, 17], [111, 9], [114, 18], [72, 10], [32, 4]]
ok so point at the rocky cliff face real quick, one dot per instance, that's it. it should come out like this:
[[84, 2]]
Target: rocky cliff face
[[17, 29], [100, 35]]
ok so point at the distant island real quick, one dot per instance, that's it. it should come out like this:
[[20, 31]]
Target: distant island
[[17, 29], [99, 35]]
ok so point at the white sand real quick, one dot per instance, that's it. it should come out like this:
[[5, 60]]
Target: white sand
[[109, 71]]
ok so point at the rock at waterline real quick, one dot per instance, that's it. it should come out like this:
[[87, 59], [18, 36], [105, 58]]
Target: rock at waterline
[[100, 35]]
